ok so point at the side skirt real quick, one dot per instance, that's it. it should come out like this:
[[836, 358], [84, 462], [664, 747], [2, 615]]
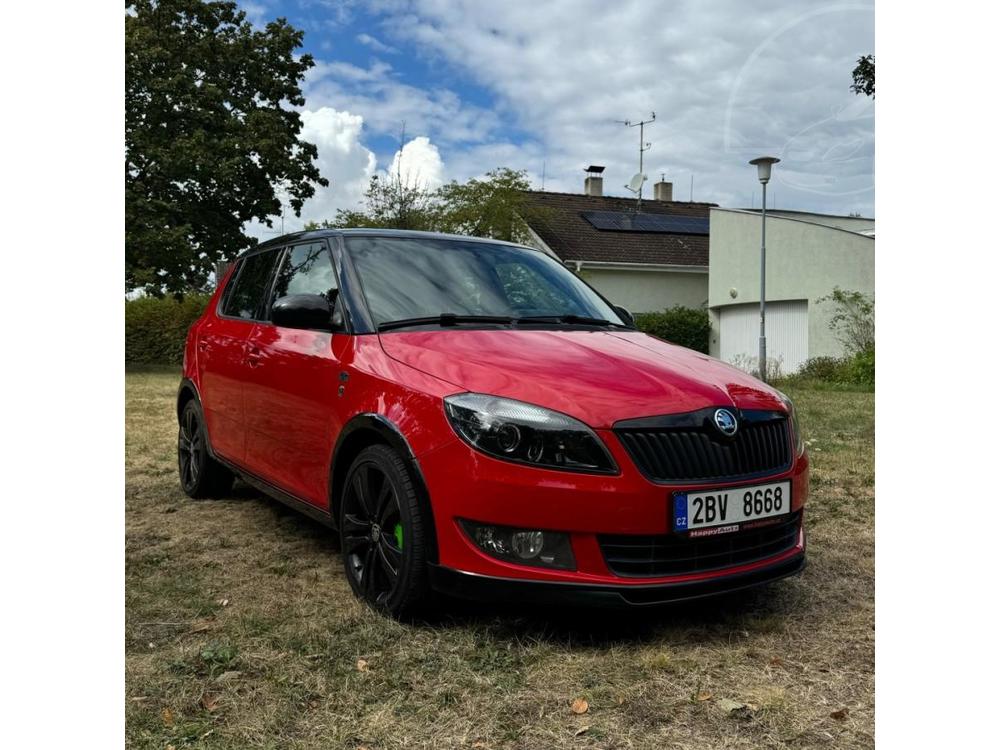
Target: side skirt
[[296, 503]]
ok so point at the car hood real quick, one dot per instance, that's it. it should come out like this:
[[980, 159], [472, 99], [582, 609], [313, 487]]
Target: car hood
[[599, 377]]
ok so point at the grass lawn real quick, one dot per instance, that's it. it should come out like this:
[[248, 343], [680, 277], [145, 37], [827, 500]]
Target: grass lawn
[[241, 630]]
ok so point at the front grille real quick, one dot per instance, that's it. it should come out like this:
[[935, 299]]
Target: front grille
[[688, 448], [638, 556]]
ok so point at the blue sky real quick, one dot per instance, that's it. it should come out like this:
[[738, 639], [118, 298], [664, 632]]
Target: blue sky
[[525, 84]]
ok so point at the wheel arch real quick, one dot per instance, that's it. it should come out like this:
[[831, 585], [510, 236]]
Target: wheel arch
[[362, 431], [187, 391]]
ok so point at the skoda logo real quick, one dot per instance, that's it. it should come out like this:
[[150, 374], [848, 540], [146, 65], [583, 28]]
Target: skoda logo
[[725, 420]]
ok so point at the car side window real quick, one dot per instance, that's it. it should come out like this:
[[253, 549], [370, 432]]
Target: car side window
[[306, 269], [250, 286]]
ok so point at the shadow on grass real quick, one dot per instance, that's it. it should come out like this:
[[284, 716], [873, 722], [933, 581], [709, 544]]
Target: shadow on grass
[[709, 620]]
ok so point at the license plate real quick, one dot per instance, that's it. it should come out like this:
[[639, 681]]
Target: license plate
[[731, 506]]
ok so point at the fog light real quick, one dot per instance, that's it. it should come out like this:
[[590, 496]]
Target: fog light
[[545, 549], [527, 544]]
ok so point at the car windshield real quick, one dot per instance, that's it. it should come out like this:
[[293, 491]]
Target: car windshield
[[410, 278]]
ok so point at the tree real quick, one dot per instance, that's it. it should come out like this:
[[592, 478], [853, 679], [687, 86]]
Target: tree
[[392, 203], [211, 141], [864, 76], [491, 207]]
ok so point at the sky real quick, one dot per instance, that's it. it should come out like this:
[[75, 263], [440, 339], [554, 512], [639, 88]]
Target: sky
[[543, 86]]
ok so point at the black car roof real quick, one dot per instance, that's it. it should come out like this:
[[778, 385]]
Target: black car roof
[[315, 234]]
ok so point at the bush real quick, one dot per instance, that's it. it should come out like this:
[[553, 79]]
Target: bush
[[830, 369], [861, 368], [684, 326], [853, 320], [155, 329]]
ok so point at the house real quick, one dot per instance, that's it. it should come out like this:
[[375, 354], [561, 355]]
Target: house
[[643, 261], [808, 254]]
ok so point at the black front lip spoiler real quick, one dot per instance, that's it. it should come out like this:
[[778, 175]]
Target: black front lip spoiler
[[477, 587]]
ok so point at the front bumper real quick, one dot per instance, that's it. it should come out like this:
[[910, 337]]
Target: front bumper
[[465, 484], [488, 589]]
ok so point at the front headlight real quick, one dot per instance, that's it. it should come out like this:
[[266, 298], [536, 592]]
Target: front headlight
[[793, 420], [516, 431]]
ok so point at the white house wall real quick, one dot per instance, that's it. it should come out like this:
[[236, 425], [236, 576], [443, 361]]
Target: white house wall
[[649, 290], [805, 261]]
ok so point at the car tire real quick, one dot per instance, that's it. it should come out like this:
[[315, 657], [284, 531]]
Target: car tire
[[201, 475], [384, 532]]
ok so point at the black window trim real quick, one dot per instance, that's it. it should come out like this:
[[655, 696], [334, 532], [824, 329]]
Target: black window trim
[[284, 254], [224, 297]]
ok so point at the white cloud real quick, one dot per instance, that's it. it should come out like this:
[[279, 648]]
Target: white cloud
[[419, 164], [728, 82], [349, 165], [369, 41], [387, 103], [342, 159]]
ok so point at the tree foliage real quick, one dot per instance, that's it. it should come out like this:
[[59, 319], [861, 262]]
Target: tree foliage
[[864, 76], [853, 319], [492, 206], [211, 141]]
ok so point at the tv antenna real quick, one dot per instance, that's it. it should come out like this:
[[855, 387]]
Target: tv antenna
[[635, 184]]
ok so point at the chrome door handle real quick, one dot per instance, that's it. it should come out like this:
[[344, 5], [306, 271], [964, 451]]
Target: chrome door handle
[[255, 357]]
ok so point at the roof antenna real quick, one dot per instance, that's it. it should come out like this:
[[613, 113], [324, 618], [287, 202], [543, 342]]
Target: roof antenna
[[635, 184], [691, 196], [543, 175]]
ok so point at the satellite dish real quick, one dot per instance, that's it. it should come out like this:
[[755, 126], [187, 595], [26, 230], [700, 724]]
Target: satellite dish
[[636, 182]]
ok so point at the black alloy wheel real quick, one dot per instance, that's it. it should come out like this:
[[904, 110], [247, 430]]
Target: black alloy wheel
[[382, 532], [201, 475]]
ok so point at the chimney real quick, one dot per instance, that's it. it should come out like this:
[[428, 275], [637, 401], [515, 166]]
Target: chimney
[[594, 183], [663, 191]]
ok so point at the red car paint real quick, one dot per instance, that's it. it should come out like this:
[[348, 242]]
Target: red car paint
[[276, 399]]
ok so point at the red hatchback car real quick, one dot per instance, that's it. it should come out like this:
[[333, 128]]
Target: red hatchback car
[[472, 418]]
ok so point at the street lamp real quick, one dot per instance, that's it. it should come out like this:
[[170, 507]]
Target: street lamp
[[763, 164]]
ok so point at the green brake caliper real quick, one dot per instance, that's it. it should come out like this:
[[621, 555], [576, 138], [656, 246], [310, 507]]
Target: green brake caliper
[[398, 531]]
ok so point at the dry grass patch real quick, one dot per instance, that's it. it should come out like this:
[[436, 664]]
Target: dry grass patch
[[241, 631]]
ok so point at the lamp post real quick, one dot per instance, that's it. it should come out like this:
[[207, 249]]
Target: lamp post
[[763, 164]]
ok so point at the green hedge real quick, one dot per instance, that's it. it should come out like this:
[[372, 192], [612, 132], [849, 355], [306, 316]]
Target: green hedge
[[685, 326], [155, 329]]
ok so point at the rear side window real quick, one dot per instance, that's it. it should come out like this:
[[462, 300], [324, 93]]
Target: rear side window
[[306, 269], [246, 297]]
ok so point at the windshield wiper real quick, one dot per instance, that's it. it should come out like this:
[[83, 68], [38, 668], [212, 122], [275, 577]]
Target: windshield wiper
[[571, 319], [444, 319]]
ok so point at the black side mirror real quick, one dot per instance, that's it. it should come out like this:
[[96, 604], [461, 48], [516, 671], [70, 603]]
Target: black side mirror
[[309, 311], [624, 314]]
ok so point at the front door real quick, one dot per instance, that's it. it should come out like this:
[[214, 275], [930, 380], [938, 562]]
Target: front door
[[291, 392], [221, 354]]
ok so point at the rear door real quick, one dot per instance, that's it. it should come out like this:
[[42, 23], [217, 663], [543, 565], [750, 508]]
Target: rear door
[[291, 392], [222, 353]]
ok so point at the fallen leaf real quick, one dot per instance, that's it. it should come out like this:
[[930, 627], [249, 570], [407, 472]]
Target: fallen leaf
[[704, 695], [581, 730], [209, 701], [839, 715], [362, 665], [777, 661], [579, 706], [168, 717]]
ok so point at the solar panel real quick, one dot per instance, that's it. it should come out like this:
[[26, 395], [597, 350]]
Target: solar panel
[[620, 221]]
